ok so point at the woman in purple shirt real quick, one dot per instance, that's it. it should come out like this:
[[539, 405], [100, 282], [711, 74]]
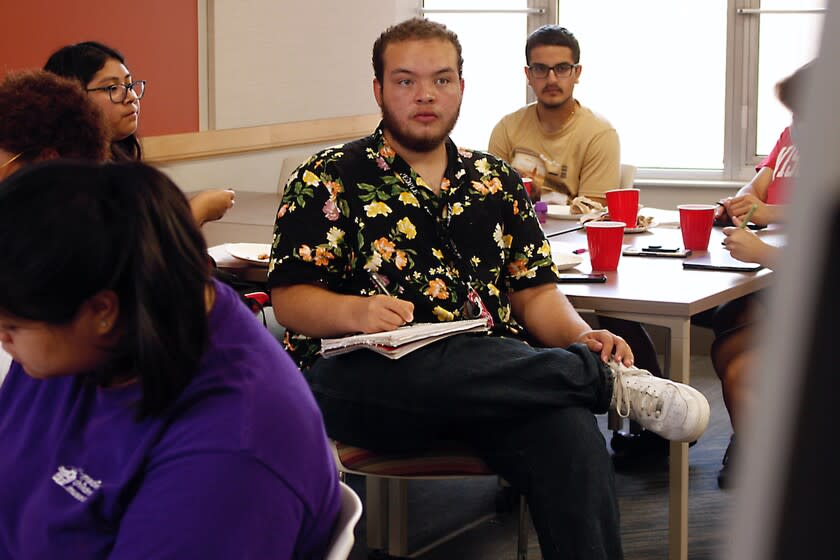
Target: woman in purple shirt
[[147, 413]]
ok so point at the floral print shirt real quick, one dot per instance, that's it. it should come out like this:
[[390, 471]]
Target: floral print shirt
[[357, 215]]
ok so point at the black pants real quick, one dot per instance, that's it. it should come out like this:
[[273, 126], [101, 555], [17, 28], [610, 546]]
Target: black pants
[[528, 412]]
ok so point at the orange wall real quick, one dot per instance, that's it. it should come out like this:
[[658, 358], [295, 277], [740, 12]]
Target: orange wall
[[159, 39]]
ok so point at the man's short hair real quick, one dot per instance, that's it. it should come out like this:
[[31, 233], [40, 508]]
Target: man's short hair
[[552, 35], [40, 111], [413, 29]]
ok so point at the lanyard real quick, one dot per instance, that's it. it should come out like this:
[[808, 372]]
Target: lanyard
[[474, 305], [439, 227]]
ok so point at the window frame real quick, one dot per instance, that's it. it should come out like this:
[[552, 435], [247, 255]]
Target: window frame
[[740, 99]]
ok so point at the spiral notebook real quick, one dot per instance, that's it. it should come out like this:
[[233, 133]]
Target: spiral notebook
[[399, 342]]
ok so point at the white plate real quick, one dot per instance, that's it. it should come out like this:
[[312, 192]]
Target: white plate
[[252, 252], [654, 223], [564, 212], [561, 212], [565, 261]]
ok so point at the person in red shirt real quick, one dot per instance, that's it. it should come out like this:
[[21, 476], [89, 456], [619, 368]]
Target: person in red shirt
[[769, 188], [734, 349]]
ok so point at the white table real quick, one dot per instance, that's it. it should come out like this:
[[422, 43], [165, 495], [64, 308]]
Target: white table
[[250, 220], [651, 290]]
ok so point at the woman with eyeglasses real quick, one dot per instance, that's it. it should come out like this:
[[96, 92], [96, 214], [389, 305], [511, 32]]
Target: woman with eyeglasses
[[111, 87], [146, 414]]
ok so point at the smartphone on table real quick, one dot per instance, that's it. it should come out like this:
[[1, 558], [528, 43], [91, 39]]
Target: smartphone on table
[[579, 277], [656, 251]]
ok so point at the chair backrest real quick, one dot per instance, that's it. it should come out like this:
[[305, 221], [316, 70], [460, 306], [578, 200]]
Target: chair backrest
[[342, 539], [290, 163], [628, 175]]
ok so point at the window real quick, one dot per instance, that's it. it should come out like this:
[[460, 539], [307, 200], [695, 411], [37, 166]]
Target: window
[[688, 85], [657, 71], [492, 35], [786, 41]]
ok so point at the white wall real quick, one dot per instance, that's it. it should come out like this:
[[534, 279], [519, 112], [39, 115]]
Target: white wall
[[293, 60], [283, 61]]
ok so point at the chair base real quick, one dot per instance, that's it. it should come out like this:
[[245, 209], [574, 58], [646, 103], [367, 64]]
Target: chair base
[[386, 505]]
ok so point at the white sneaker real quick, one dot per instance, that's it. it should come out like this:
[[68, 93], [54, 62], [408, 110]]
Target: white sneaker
[[673, 410]]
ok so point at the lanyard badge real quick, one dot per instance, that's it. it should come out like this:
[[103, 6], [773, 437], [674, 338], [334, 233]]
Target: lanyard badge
[[474, 307]]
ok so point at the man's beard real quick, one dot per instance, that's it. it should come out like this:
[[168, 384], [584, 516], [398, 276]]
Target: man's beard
[[557, 104], [412, 142]]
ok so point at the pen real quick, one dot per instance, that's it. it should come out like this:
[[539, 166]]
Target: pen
[[562, 231], [579, 251], [747, 218], [377, 281]]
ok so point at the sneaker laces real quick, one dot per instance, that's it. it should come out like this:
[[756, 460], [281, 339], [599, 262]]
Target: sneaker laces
[[630, 380], [675, 411]]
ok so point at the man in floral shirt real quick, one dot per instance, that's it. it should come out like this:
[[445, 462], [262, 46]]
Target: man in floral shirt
[[406, 212]]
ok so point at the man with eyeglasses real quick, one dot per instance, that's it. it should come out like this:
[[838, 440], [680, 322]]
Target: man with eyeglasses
[[563, 146], [570, 151]]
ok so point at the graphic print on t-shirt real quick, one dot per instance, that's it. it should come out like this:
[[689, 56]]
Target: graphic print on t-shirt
[[787, 163], [76, 482]]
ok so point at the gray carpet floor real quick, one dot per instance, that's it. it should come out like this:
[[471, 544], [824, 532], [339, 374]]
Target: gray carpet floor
[[439, 507]]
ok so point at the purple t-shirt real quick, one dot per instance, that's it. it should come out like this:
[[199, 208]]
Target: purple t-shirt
[[237, 467]]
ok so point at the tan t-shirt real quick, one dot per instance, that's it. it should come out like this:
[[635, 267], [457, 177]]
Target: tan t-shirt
[[580, 159]]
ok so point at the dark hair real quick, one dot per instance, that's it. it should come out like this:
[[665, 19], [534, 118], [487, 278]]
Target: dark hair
[[790, 90], [411, 29], [40, 112], [70, 230], [81, 62], [552, 35]]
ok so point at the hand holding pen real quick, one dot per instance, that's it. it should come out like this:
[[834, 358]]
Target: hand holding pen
[[380, 285], [377, 313], [749, 216], [721, 212], [745, 245], [740, 206]]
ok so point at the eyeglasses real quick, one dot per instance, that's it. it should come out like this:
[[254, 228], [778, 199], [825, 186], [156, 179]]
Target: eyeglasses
[[11, 160], [562, 70], [118, 92]]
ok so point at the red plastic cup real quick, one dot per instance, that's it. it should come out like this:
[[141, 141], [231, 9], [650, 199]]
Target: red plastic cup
[[696, 224], [604, 240], [623, 205], [528, 183]]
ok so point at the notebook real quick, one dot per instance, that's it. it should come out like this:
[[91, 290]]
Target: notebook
[[719, 260], [401, 341]]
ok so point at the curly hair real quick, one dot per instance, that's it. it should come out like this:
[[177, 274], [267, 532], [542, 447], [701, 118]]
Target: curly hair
[[413, 29], [41, 112]]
